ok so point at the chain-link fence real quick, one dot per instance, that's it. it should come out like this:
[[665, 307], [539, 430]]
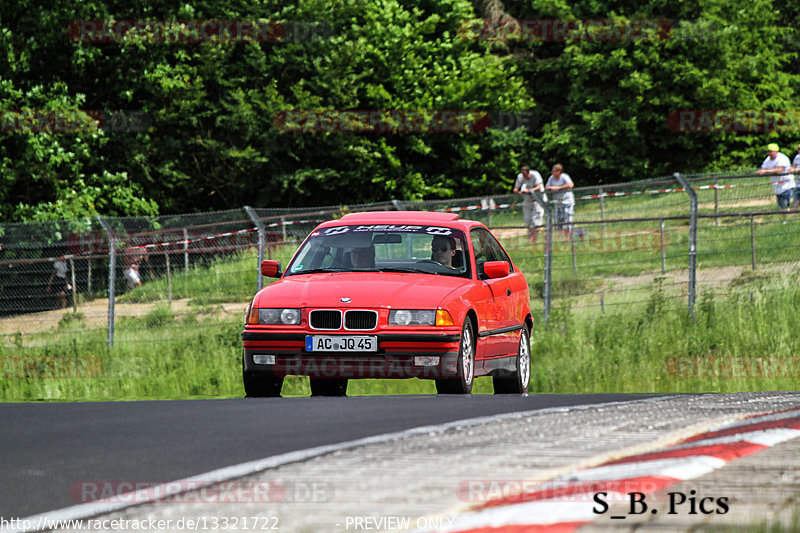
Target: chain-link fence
[[124, 280]]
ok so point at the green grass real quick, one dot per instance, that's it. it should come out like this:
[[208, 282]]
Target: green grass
[[742, 340]]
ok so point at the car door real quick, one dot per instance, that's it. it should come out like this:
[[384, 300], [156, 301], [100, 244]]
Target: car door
[[499, 307]]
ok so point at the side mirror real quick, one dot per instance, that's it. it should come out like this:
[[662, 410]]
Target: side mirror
[[270, 268], [496, 269]]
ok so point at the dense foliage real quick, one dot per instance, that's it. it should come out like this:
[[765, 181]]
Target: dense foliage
[[201, 122]]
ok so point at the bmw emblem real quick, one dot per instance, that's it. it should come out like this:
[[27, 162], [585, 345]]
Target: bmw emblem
[[345, 300]]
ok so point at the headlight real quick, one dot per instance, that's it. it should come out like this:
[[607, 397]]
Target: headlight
[[412, 317], [286, 317]]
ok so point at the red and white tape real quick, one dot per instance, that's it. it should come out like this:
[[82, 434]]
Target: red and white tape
[[189, 241], [567, 503], [589, 197], [652, 191]]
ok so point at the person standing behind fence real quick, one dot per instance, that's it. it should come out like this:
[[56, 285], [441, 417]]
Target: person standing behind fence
[[58, 282], [526, 183], [560, 185], [777, 166], [795, 169], [131, 259]]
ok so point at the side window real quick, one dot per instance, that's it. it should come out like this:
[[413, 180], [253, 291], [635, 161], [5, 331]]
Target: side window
[[487, 249]]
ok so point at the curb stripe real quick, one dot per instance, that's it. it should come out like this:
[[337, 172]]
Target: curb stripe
[[726, 452], [567, 503]]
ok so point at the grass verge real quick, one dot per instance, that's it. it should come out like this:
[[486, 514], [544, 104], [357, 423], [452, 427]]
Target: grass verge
[[742, 339]]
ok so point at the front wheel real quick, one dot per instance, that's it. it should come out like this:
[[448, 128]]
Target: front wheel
[[328, 387], [462, 383], [519, 381]]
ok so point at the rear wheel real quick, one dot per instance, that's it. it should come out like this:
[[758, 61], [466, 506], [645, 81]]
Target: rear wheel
[[519, 381], [259, 385], [328, 387], [462, 383]]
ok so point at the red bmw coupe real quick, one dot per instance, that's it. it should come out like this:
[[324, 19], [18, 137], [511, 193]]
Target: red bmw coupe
[[396, 294]]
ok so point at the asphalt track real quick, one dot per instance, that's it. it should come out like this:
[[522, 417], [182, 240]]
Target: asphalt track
[[47, 448]]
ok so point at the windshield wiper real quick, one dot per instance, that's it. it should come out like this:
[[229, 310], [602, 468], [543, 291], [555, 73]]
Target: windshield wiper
[[404, 269], [320, 270]]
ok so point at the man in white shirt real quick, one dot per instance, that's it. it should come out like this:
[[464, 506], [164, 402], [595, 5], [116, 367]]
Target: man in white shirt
[[777, 166], [795, 170], [560, 185], [527, 182]]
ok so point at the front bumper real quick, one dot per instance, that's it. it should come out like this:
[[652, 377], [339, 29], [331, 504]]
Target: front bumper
[[398, 356]]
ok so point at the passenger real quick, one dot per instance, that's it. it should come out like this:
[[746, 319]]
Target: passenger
[[363, 257]]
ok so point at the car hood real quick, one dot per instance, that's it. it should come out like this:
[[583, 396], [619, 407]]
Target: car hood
[[365, 290]]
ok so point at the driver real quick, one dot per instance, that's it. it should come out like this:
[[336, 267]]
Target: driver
[[443, 249]]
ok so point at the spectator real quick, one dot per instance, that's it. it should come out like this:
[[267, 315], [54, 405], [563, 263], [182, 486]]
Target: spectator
[[363, 257], [527, 182], [795, 170], [131, 259], [61, 285], [442, 250], [778, 167], [560, 185]]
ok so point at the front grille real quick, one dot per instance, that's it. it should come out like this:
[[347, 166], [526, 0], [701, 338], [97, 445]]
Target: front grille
[[325, 319], [360, 320]]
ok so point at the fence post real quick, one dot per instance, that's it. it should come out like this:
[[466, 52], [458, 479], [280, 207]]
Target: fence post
[[753, 242], [548, 252], [112, 278], [692, 239], [488, 204], [572, 245], [261, 239], [74, 289], [663, 250], [716, 201], [185, 250], [169, 280], [89, 276], [602, 210]]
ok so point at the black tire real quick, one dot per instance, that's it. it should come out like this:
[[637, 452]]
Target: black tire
[[462, 382], [261, 386], [519, 381], [328, 387]]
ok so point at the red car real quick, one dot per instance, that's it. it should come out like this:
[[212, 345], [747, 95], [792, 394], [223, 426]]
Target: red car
[[396, 294]]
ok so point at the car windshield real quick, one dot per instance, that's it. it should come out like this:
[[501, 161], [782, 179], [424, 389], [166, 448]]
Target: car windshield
[[383, 248]]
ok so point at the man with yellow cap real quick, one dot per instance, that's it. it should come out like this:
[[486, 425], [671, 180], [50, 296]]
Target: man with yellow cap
[[777, 166]]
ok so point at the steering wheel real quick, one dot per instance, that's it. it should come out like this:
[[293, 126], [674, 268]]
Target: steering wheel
[[430, 261]]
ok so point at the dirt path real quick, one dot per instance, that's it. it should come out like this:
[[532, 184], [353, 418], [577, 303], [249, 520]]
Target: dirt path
[[95, 313]]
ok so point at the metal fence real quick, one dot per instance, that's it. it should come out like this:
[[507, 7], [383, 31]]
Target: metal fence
[[626, 241]]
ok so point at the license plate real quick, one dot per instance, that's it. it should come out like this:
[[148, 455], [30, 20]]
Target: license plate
[[341, 343]]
